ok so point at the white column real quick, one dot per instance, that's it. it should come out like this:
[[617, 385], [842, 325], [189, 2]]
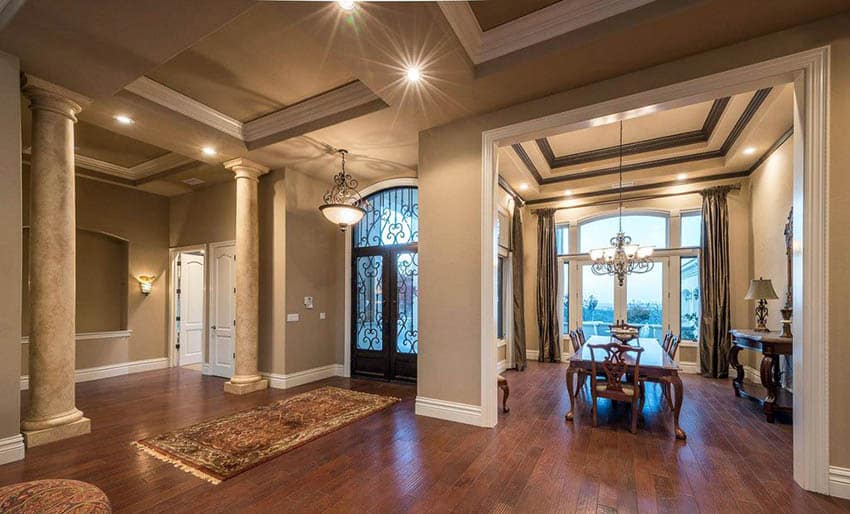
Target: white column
[[246, 377], [53, 414]]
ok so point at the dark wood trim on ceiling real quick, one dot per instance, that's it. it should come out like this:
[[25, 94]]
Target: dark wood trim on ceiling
[[668, 183], [752, 107], [700, 135], [523, 156]]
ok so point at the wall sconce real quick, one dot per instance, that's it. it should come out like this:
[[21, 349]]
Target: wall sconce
[[146, 283]]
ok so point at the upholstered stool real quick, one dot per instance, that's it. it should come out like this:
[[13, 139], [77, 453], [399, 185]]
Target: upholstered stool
[[503, 385], [55, 495]]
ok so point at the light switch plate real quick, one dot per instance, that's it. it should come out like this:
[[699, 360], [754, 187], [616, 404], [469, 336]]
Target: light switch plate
[[308, 302], [322, 315], [293, 317]]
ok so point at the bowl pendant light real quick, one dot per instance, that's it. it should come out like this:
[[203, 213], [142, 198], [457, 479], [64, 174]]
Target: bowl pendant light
[[342, 202]]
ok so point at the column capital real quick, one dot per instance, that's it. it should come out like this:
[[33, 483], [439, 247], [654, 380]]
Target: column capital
[[245, 168], [47, 96]]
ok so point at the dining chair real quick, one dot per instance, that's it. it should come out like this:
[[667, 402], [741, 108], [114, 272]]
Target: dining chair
[[615, 366], [582, 339], [576, 342], [670, 347], [673, 346], [665, 343]]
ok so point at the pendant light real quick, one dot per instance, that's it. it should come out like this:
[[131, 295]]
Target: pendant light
[[342, 201]]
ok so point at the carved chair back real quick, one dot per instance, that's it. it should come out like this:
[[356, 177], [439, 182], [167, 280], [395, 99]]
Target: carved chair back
[[673, 346], [614, 365], [575, 341]]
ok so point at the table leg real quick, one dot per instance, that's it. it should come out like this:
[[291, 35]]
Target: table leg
[[678, 396], [739, 369], [570, 392], [767, 372]]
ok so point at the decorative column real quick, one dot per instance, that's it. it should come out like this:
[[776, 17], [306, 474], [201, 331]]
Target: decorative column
[[246, 377], [52, 414]]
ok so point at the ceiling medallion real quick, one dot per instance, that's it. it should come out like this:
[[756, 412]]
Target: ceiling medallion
[[622, 257], [342, 202]]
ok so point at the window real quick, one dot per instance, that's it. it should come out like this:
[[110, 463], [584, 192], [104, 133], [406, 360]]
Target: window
[[691, 229], [597, 302], [690, 299], [645, 301], [562, 239], [392, 218], [646, 229], [565, 297]]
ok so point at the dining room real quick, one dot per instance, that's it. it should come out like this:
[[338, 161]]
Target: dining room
[[656, 278]]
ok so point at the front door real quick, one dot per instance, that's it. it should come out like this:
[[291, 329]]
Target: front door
[[223, 310], [190, 302], [385, 287]]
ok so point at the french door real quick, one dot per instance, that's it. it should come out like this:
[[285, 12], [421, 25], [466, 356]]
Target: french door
[[385, 312]]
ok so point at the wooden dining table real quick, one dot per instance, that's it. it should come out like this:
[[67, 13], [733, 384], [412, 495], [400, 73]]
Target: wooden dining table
[[655, 366]]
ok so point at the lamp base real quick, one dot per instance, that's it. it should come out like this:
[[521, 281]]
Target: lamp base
[[761, 316]]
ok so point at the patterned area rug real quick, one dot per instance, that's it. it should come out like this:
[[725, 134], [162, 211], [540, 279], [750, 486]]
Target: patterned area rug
[[224, 447]]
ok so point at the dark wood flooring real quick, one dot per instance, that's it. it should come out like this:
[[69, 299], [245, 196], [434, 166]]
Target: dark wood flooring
[[394, 461]]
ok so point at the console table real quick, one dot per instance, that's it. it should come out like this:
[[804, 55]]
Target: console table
[[769, 393]]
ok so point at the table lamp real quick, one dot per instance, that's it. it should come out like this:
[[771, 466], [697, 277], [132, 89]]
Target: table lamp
[[761, 290]]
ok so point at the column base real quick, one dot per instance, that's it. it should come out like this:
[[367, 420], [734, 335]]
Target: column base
[[32, 438], [230, 387]]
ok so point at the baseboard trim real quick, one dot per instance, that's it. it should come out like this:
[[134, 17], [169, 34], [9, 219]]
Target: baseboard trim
[[111, 370], [501, 366], [206, 369], [449, 411], [285, 381], [12, 449], [691, 368], [839, 482], [532, 355]]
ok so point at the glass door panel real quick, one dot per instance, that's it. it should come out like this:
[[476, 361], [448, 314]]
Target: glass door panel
[[597, 302], [407, 301], [690, 299], [368, 302], [645, 301]]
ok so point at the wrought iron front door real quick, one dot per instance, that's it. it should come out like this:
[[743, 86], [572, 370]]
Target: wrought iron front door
[[385, 293]]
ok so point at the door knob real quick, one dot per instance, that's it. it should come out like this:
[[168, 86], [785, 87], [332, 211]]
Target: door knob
[[213, 327]]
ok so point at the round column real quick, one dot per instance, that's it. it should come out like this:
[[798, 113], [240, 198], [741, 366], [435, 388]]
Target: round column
[[246, 377], [53, 414]]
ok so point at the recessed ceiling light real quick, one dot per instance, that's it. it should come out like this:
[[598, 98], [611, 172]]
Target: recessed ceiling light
[[208, 150], [681, 176], [123, 119], [568, 192], [749, 150], [413, 74], [347, 4], [192, 181], [523, 187]]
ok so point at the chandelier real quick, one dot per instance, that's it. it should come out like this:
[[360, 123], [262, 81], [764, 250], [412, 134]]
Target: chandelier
[[342, 201], [622, 257]]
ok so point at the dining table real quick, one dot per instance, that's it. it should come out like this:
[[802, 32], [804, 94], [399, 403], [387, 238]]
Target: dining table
[[655, 366]]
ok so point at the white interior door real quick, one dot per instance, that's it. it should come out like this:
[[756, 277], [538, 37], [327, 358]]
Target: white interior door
[[190, 301], [222, 310]]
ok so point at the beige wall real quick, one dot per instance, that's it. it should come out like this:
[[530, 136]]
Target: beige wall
[[10, 245], [141, 219], [301, 254], [450, 167]]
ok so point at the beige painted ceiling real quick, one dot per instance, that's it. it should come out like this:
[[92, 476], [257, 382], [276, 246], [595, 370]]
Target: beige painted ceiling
[[246, 59], [765, 127], [492, 13]]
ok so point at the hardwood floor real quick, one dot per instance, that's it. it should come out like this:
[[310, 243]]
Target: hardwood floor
[[394, 461]]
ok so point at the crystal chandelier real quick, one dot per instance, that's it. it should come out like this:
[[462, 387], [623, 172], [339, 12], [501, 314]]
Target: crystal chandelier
[[622, 257], [342, 201]]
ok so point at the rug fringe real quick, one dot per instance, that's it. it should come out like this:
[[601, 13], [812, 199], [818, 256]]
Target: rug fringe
[[176, 463]]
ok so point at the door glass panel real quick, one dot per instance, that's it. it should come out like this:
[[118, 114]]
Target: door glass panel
[[690, 309], [644, 301], [565, 288], [368, 272], [597, 303], [407, 298]]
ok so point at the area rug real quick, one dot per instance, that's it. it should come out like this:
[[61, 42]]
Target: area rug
[[224, 447]]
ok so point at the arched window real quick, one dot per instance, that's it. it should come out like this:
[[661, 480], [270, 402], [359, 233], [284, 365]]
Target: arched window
[[392, 218], [644, 229]]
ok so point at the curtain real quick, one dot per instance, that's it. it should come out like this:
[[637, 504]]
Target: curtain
[[518, 289], [547, 288], [714, 338]]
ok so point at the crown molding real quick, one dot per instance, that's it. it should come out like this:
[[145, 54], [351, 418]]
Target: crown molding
[[544, 24], [178, 102], [127, 175], [345, 102]]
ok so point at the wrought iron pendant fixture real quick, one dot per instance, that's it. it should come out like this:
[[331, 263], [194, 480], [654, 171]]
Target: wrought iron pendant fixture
[[623, 257], [342, 201]]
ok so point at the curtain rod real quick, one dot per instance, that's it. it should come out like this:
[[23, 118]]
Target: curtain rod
[[732, 187]]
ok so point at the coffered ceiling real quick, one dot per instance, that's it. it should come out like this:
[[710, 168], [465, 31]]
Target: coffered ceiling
[[287, 83], [698, 143]]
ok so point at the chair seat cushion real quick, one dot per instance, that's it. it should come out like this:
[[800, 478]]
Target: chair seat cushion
[[628, 390], [54, 495]]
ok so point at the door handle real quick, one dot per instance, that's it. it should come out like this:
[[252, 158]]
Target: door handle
[[213, 327]]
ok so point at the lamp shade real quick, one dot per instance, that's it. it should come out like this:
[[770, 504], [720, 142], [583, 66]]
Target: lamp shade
[[761, 289], [343, 215]]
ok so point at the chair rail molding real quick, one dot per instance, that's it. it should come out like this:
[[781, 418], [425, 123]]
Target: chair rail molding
[[809, 71], [86, 336]]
